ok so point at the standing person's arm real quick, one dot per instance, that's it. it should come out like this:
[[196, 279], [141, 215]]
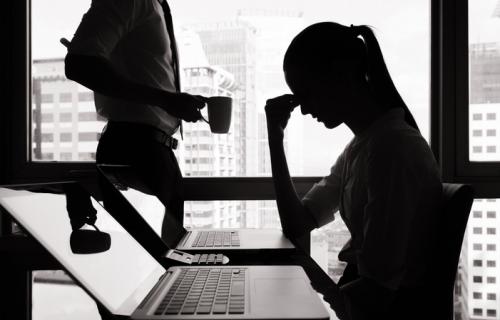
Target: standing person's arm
[[97, 74], [294, 216]]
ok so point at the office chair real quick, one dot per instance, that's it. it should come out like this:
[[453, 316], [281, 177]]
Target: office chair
[[457, 203]]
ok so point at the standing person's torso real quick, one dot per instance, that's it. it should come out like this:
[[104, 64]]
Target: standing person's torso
[[132, 35]]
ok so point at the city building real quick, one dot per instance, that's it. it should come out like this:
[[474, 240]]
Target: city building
[[477, 286], [65, 124]]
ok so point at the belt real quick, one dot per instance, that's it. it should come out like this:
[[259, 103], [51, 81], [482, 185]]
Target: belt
[[134, 131]]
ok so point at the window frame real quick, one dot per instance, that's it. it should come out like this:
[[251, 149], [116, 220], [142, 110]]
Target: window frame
[[450, 97]]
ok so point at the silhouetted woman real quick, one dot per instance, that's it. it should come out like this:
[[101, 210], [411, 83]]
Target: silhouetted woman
[[386, 184]]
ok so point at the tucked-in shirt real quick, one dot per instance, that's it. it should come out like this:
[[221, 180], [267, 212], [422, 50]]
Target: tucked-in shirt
[[387, 187], [132, 36]]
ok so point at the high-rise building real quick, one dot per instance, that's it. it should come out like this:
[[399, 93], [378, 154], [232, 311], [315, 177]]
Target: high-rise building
[[201, 152], [65, 124], [230, 45], [477, 289]]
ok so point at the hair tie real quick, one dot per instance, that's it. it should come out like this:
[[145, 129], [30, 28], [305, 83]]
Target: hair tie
[[354, 30]]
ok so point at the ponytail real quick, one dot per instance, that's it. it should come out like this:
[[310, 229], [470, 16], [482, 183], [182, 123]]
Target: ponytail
[[378, 76]]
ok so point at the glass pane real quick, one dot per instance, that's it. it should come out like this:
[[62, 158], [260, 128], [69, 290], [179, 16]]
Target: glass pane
[[50, 288], [477, 289], [65, 126], [233, 48], [484, 79], [259, 214]]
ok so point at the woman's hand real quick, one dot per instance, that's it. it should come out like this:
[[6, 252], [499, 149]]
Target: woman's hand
[[278, 112]]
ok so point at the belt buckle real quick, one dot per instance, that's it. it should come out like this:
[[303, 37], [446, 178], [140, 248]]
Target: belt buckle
[[173, 143]]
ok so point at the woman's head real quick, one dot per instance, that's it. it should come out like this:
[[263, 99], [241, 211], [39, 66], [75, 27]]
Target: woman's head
[[328, 65]]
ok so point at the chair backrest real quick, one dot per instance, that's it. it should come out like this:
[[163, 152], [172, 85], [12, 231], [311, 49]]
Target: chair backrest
[[457, 203]]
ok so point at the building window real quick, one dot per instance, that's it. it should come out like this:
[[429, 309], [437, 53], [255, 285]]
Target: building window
[[491, 280], [491, 313], [477, 295], [47, 117], [491, 296], [491, 149], [477, 246], [491, 263], [491, 116], [477, 230], [88, 136], [477, 279], [66, 156], [85, 96], [477, 312], [47, 98], [47, 156], [86, 156], [477, 133], [65, 97], [491, 214], [491, 230], [66, 117], [477, 214], [491, 247], [477, 149], [477, 116], [478, 263], [47, 137], [491, 133], [66, 137]]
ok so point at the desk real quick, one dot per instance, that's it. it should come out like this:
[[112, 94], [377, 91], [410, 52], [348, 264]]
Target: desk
[[19, 255]]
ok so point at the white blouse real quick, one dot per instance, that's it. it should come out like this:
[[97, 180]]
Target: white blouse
[[387, 187]]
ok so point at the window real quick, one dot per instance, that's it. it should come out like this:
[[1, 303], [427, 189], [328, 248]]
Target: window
[[491, 263], [491, 247], [491, 313], [477, 214], [483, 82], [477, 295], [477, 279], [65, 117], [477, 312], [66, 137], [491, 280], [491, 231], [477, 230], [477, 246], [477, 263], [491, 296], [491, 214]]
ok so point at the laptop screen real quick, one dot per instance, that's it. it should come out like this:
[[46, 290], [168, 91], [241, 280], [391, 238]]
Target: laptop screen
[[109, 263], [129, 184]]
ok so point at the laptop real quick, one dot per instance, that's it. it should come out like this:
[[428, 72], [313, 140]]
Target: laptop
[[124, 278], [121, 184]]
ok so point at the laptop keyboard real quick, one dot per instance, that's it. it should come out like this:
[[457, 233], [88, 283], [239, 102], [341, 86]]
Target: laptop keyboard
[[208, 258], [205, 291], [217, 239]]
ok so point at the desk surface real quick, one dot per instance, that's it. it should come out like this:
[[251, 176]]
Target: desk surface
[[22, 254]]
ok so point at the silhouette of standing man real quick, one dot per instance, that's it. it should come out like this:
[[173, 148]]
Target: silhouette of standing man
[[125, 51]]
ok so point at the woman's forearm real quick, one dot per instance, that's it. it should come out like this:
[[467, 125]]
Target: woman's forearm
[[295, 219]]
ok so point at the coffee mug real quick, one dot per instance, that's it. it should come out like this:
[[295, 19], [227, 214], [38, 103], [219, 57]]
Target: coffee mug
[[219, 113]]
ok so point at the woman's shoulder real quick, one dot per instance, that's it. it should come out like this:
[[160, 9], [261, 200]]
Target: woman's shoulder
[[404, 144]]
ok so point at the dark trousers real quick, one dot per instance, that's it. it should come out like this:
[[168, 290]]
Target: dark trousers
[[154, 162], [381, 303]]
